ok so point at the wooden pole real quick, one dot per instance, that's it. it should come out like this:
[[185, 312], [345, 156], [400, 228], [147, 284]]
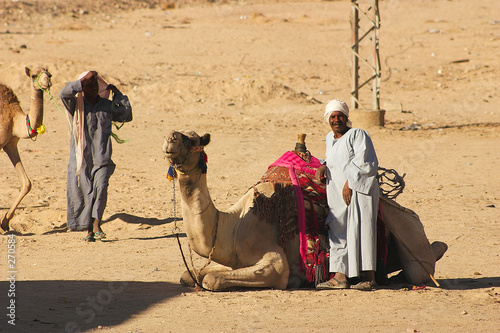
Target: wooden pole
[[355, 52], [376, 58], [370, 16]]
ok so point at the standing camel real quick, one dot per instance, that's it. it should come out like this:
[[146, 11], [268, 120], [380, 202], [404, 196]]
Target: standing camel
[[15, 125]]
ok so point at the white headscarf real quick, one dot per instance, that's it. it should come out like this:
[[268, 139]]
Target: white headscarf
[[76, 122], [337, 105]]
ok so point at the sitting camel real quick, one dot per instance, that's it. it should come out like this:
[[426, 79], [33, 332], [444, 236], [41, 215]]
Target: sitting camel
[[15, 125], [246, 246]]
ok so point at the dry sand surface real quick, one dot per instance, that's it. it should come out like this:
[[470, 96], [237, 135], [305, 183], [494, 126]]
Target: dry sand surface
[[248, 74]]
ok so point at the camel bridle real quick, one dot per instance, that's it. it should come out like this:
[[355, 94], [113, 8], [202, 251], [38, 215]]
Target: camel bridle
[[193, 149], [37, 81]]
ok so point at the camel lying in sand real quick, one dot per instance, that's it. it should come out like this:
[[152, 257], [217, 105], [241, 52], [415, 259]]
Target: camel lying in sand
[[245, 245]]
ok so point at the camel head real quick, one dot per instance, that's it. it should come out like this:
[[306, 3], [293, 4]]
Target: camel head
[[40, 77], [183, 149]]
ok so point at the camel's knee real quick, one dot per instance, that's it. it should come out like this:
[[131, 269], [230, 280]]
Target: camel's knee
[[273, 274], [186, 280], [278, 270], [213, 281], [26, 188]]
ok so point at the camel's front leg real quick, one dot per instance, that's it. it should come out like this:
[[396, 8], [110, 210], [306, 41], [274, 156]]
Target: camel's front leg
[[187, 281], [13, 153], [270, 272]]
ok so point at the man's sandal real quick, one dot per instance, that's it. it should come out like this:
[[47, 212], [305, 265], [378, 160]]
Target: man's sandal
[[329, 285], [365, 286], [89, 239], [99, 235]]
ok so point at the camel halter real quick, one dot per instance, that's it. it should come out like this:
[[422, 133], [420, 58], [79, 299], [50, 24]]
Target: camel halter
[[38, 79], [46, 90], [173, 170]]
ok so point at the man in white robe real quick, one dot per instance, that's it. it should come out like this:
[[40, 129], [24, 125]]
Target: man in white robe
[[352, 194]]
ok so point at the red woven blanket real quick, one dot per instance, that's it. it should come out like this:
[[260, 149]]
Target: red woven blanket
[[311, 208]]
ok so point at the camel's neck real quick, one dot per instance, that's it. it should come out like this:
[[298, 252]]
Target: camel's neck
[[194, 192], [36, 108], [198, 211]]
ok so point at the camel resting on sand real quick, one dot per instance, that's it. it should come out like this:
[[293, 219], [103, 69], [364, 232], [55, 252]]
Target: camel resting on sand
[[246, 246], [15, 125]]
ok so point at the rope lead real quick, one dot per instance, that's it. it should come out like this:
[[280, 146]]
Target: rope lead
[[391, 179]]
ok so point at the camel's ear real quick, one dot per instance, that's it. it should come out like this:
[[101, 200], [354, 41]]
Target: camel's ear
[[205, 139], [28, 71]]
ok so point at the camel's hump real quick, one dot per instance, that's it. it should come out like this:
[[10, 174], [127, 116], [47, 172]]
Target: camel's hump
[[7, 95]]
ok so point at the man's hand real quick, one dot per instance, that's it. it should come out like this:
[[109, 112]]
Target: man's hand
[[113, 89], [321, 174], [347, 193]]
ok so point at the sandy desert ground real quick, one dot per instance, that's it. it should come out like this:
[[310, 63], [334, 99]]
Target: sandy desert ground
[[248, 73]]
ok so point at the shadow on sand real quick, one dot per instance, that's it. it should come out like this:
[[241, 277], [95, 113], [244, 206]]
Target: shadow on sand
[[140, 220], [467, 284], [77, 306], [448, 284], [127, 218]]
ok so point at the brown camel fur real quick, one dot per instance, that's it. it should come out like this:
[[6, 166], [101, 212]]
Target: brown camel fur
[[14, 126], [246, 247]]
